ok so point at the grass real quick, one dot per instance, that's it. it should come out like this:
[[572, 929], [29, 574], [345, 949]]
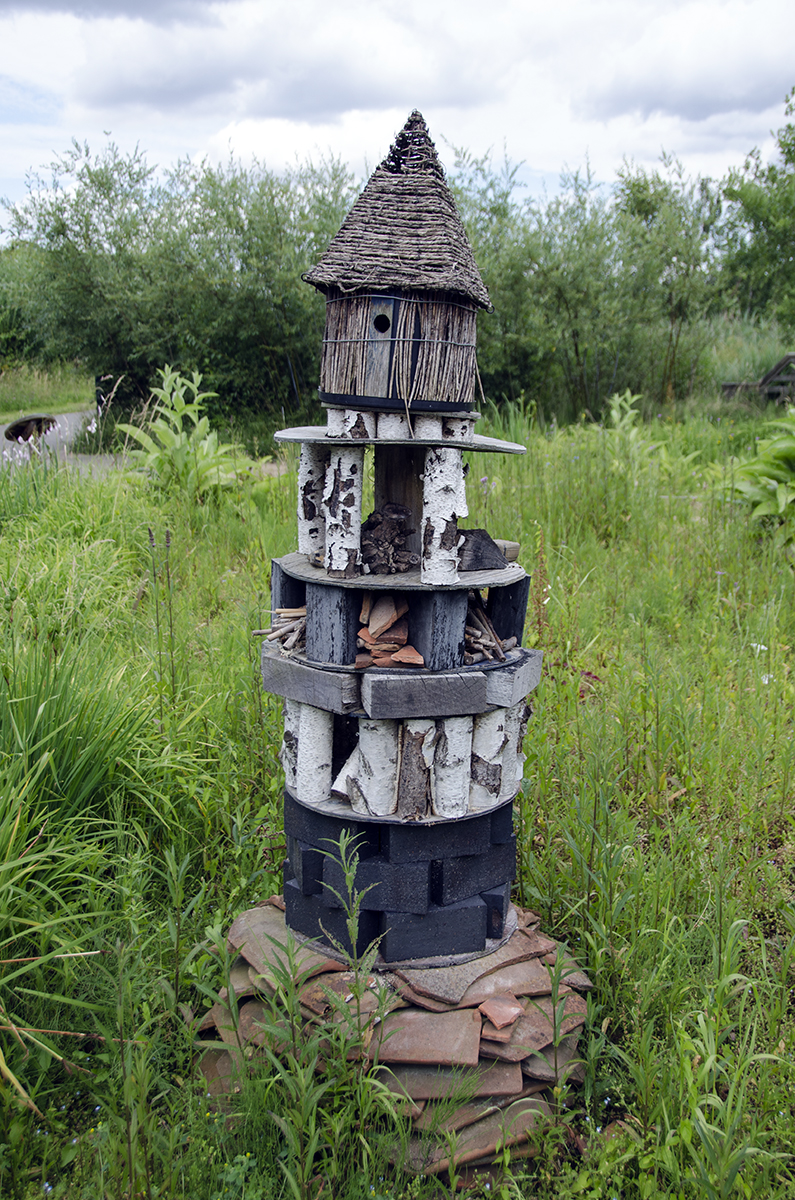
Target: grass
[[61, 389], [141, 814]]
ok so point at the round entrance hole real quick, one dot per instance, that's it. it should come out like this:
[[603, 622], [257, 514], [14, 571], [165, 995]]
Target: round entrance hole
[[382, 322]]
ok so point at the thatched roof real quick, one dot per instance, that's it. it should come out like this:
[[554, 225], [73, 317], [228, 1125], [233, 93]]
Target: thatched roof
[[404, 231]]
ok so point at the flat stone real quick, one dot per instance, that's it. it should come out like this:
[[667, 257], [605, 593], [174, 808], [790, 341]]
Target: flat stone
[[502, 1010], [507, 1127], [252, 1016], [488, 1078], [239, 980], [542, 1066], [443, 1039], [451, 984], [437, 1117], [572, 975], [260, 934], [221, 1066], [528, 978], [535, 1029]]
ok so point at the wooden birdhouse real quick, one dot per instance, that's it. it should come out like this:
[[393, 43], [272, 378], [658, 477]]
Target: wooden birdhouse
[[397, 639]]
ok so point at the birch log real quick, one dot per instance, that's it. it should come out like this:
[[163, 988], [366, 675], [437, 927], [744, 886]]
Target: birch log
[[342, 784], [516, 719], [393, 425], [428, 425], [313, 760], [311, 484], [350, 423], [291, 710], [443, 501], [488, 746], [451, 767], [342, 505], [457, 429], [376, 779], [414, 779]]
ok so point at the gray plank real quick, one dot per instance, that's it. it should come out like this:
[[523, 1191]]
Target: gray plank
[[448, 694], [317, 433], [436, 627], [332, 621], [509, 683], [297, 566], [335, 691], [507, 607]]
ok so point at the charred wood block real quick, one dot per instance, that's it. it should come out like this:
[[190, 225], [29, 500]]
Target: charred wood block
[[509, 683], [335, 691], [308, 915], [383, 885], [502, 824], [453, 879], [305, 866], [419, 694], [323, 831], [332, 616], [496, 901], [415, 842], [436, 627], [286, 592], [456, 929], [479, 551], [507, 607]]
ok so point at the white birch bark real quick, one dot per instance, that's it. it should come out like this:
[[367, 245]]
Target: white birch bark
[[379, 755], [349, 770], [450, 792], [342, 506], [513, 757], [313, 765], [488, 747], [393, 425], [428, 425], [443, 501], [311, 484], [458, 429], [291, 710], [353, 423]]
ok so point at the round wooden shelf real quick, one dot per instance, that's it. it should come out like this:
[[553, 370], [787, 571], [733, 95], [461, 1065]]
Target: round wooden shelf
[[316, 434], [296, 566]]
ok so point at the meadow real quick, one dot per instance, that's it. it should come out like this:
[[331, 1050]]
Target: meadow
[[141, 813]]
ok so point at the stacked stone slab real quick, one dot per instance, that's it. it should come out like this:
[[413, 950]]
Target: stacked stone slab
[[420, 765]]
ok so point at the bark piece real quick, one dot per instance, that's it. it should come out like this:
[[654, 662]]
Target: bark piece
[[312, 467], [414, 780]]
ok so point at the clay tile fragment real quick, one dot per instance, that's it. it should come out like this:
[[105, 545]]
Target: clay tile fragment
[[501, 1010], [409, 656]]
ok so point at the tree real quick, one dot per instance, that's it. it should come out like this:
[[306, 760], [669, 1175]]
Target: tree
[[759, 270]]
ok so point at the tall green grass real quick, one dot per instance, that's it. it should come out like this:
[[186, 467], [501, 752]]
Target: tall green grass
[[59, 389], [141, 813]]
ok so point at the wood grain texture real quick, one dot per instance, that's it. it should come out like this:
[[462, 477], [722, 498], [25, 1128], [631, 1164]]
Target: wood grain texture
[[334, 691], [420, 694], [331, 623]]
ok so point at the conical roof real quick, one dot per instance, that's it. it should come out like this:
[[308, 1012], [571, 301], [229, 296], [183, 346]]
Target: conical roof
[[404, 231]]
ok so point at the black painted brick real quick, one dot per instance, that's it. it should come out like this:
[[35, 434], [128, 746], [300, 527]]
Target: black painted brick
[[308, 915], [306, 865], [415, 842], [496, 901], [323, 831], [385, 886], [456, 929], [502, 823], [454, 879]]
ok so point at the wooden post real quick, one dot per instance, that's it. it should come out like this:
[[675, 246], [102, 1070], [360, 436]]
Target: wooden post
[[314, 752], [443, 501], [342, 504], [312, 467], [451, 767]]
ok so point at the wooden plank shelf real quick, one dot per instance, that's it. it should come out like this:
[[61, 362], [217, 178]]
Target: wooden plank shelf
[[315, 434], [297, 567]]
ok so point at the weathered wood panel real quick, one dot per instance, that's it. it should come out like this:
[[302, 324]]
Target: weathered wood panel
[[335, 691], [508, 684], [286, 591], [379, 346], [506, 608], [453, 694], [397, 481], [331, 623], [436, 628]]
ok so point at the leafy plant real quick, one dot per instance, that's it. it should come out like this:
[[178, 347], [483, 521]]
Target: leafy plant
[[181, 451]]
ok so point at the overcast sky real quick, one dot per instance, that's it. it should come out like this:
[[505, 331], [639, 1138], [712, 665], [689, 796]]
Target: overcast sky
[[552, 82]]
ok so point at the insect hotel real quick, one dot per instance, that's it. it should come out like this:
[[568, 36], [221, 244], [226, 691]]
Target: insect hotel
[[396, 645], [397, 632]]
